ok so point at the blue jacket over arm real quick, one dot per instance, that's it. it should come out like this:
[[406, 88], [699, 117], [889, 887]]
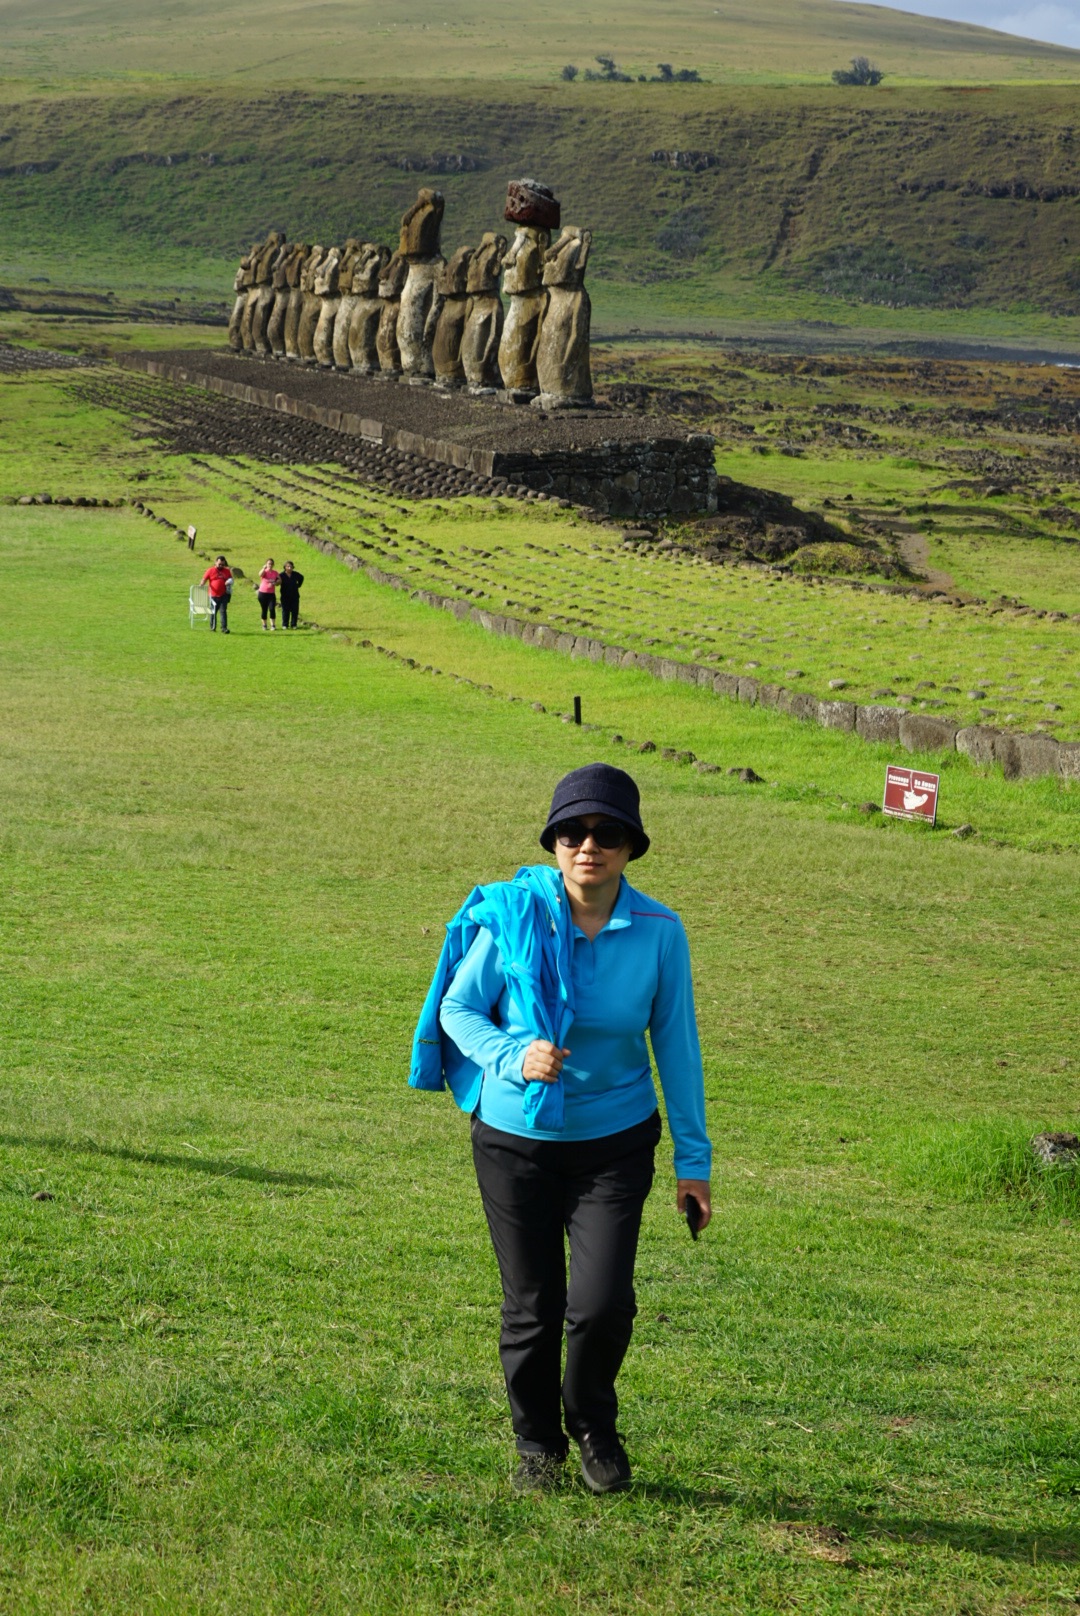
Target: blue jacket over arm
[[632, 979]]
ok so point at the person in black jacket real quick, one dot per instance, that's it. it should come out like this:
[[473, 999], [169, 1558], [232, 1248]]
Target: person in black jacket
[[289, 590]]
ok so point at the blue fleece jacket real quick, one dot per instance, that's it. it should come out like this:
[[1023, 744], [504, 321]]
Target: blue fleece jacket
[[528, 919], [633, 978]]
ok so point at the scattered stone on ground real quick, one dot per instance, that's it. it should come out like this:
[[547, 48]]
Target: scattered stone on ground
[[1052, 1148]]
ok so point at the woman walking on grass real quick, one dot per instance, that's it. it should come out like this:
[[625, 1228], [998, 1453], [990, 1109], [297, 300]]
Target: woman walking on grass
[[289, 588], [536, 1019], [219, 578], [268, 579]]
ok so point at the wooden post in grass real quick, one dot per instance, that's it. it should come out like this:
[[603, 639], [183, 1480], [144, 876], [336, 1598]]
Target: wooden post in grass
[[577, 709]]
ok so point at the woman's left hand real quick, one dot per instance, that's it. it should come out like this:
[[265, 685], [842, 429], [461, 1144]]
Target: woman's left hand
[[700, 1190]]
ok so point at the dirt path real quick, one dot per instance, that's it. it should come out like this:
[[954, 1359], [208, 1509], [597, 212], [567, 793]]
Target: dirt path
[[914, 549]]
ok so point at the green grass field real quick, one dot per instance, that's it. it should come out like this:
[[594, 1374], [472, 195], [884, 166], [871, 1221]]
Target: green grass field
[[249, 1344]]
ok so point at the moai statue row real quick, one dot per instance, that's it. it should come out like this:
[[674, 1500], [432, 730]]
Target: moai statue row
[[413, 316]]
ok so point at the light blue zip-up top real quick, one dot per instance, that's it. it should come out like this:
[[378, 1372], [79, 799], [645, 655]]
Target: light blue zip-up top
[[632, 979]]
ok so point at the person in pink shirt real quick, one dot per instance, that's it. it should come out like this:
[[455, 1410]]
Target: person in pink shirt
[[219, 578], [268, 578]]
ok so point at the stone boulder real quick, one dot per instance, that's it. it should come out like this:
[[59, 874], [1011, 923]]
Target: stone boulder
[[977, 743], [878, 723], [921, 733]]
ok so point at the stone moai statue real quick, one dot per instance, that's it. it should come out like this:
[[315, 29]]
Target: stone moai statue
[[275, 326], [263, 291], [451, 302], [391, 286], [311, 307], [533, 209], [419, 245], [327, 291], [242, 280], [484, 316], [346, 302], [255, 285], [367, 310], [562, 357], [294, 276]]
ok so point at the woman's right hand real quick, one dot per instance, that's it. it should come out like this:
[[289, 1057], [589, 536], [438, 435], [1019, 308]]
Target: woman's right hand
[[543, 1061]]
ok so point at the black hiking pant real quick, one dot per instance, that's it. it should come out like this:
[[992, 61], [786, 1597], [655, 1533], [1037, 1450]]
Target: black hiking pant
[[535, 1193]]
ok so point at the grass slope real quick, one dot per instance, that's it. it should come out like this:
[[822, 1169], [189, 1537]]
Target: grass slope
[[285, 40], [924, 209], [249, 1345]]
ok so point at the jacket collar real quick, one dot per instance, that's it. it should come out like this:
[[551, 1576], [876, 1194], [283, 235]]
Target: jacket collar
[[620, 916]]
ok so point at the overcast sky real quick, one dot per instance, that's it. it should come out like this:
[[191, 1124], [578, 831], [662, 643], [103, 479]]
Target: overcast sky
[[1055, 20]]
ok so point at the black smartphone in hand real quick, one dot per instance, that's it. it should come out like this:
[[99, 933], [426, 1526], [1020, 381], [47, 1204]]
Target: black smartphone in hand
[[693, 1215]]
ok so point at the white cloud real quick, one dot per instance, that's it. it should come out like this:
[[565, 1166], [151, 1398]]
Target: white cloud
[[1055, 21]]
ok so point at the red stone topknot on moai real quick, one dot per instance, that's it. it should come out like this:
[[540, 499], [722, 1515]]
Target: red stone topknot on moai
[[529, 202]]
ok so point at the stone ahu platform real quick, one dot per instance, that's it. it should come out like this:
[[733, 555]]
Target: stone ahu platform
[[618, 464]]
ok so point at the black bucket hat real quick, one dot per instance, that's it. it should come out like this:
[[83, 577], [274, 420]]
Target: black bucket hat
[[596, 789]]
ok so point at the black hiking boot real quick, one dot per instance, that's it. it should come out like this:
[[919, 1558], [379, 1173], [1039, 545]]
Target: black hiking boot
[[604, 1465], [538, 1472]]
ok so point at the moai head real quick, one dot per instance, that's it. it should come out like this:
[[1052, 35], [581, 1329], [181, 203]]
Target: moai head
[[523, 266], [267, 254], [242, 278], [294, 264], [311, 268], [280, 265], [392, 279], [452, 279], [326, 281], [421, 226], [564, 263], [370, 262], [349, 255], [486, 264]]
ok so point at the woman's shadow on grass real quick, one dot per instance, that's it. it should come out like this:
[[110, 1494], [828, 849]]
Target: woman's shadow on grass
[[161, 1158]]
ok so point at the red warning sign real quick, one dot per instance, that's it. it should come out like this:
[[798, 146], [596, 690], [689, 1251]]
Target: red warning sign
[[910, 794]]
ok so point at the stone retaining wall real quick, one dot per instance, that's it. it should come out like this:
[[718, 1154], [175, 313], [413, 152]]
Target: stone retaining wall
[[646, 477]]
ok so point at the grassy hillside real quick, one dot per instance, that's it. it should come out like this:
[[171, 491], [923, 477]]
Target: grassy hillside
[[705, 202], [363, 40]]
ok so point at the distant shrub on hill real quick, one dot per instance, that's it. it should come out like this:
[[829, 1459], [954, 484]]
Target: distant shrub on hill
[[861, 71], [611, 73]]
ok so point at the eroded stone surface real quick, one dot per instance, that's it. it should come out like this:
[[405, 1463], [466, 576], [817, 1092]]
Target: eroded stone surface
[[451, 290], [530, 203], [523, 271], [327, 290], [484, 315], [310, 307], [391, 282], [366, 308], [562, 358]]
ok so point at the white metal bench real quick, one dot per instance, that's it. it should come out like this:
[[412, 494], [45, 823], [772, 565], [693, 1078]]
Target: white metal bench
[[198, 603]]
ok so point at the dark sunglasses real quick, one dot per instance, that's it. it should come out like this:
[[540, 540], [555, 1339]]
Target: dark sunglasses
[[609, 834]]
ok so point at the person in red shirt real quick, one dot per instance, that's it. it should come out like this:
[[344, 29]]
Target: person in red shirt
[[268, 578], [219, 578]]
